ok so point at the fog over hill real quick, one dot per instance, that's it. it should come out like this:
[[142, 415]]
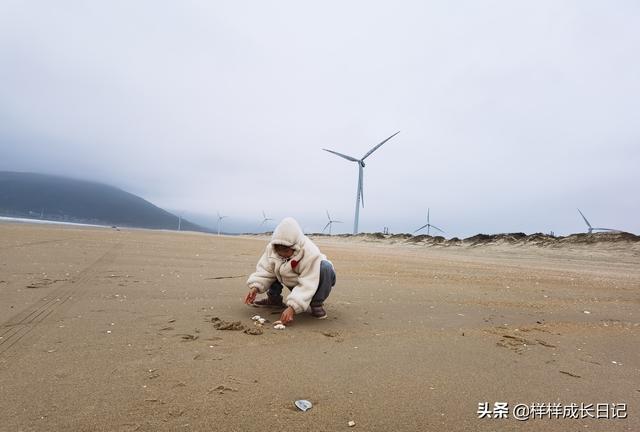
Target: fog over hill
[[55, 198]]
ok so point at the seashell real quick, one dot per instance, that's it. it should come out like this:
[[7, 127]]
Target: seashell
[[351, 423], [303, 405], [277, 322], [279, 327], [261, 320], [255, 317]]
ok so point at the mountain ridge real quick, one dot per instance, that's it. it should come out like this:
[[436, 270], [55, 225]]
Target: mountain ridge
[[58, 198]]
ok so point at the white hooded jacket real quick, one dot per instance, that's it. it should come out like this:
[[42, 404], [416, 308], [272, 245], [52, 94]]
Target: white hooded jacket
[[300, 273]]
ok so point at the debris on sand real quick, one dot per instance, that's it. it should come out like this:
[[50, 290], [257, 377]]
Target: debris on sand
[[225, 277], [331, 334], [351, 423], [222, 388], [545, 343], [255, 331], [570, 374], [227, 325]]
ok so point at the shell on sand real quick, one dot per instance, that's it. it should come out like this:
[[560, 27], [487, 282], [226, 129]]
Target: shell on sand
[[303, 404]]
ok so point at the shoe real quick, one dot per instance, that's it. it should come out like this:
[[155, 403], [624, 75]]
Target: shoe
[[270, 302], [317, 311]]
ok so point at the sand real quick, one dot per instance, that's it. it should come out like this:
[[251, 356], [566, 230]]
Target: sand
[[111, 330]]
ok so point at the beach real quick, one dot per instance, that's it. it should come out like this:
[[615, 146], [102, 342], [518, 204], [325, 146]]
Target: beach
[[115, 330]]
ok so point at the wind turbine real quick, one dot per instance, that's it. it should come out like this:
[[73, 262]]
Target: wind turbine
[[331, 222], [220, 221], [266, 219], [591, 229], [428, 226], [359, 190]]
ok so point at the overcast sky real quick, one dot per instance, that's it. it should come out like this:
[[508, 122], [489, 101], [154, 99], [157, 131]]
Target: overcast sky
[[512, 114]]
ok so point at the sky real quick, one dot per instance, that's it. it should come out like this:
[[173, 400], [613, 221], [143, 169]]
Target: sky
[[511, 114]]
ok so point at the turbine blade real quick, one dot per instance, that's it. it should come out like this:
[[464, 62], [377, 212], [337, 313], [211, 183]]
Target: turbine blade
[[337, 221], [422, 227], [378, 146], [606, 229], [428, 209], [585, 219], [325, 227], [352, 159], [328, 217], [433, 226]]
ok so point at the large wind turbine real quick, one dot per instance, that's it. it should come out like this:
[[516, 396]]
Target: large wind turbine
[[591, 229], [428, 226], [220, 221], [331, 222], [359, 190]]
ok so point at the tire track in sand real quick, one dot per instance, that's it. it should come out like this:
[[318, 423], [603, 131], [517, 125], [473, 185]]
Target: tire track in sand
[[36, 243], [21, 324]]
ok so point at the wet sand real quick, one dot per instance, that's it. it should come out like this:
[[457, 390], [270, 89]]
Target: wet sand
[[115, 331]]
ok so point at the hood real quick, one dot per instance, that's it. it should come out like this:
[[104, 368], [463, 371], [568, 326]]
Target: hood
[[288, 233]]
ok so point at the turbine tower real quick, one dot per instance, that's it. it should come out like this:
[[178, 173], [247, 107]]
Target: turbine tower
[[590, 228], [428, 226], [331, 222], [359, 190], [220, 221]]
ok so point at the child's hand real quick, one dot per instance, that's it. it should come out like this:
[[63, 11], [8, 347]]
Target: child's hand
[[287, 315], [251, 296]]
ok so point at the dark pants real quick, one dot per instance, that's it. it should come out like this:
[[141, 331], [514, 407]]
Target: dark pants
[[327, 281]]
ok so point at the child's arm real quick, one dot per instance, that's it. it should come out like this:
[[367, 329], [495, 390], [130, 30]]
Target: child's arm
[[308, 281], [264, 275]]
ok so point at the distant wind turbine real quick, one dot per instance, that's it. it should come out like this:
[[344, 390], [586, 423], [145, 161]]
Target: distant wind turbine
[[266, 219], [428, 226], [331, 222], [220, 221], [590, 228], [359, 190]]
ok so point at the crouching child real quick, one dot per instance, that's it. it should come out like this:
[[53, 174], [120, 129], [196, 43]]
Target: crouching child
[[292, 260]]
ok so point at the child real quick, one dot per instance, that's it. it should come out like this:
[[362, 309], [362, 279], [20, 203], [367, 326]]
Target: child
[[291, 259]]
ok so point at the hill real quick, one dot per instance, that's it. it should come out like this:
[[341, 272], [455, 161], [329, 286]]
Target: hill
[[56, 198]]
